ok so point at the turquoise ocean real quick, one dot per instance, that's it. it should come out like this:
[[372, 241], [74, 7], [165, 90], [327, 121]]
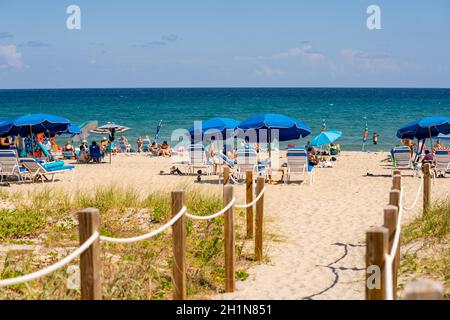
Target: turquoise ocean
[[343, 109]]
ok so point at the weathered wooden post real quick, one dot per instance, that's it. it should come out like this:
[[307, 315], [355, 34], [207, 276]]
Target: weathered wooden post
[[397, 182], [226, 175], [249, 198], [394, 198], [424, 289], [230, 251], [396, 172], [390, 223], [90, 263], [426, 187], [259, 220], [376, 250], [179, 247]]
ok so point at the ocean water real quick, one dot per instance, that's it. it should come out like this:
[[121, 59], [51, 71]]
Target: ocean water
[[343, 109]]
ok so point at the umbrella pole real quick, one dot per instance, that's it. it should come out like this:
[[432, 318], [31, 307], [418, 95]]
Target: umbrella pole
[[431, 139], [31, 138]]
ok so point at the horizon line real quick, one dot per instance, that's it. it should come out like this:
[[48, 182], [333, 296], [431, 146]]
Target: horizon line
[[223, 87]]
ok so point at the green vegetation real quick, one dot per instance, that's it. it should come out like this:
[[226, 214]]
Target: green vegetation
[[427, 241], [139, 270]]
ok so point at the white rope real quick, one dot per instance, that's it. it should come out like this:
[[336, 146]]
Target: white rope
[[147, 235], [215, 215], [53, 267], [235, 181], [253, 202], [389, 258], [417, 196]]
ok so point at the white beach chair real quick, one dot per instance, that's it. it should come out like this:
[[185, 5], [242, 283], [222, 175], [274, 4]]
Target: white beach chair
[[297, 163], [402, 157], [198, 159], [247, 160], [442, 158], [9, 166], [40, 171]]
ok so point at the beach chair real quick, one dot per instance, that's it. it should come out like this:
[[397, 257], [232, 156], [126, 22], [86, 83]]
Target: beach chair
[[247, 160], [442, 158], [146, 145], [402, 157], [40, 171], [9, 166], [198, 159], [297, 163], [123, 146], [67, 154]]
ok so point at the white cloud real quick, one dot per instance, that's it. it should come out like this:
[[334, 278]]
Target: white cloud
[[266, 71], [10, 58], [306, 51], [373, 63]]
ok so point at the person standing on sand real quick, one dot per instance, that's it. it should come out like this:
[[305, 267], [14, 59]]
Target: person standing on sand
[[139, 143]]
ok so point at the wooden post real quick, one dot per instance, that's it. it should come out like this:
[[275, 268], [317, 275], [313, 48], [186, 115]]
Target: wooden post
[[259, 220], [426, 187], [90, 263], [230, 251], [394, 198], [226, 175], [390, 223], [424, 289], [397, 182], [179, 248], [249, 198], [376, 250], [396, 172]]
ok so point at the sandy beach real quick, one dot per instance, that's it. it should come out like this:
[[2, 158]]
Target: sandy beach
[[320, 228]]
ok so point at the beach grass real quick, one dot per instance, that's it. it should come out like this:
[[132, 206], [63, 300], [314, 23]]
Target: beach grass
[[426, 240], [46, 222]]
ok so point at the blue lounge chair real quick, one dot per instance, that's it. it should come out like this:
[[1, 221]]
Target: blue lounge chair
[[40, 171]]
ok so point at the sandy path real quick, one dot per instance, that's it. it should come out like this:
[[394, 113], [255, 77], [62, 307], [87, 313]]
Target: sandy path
[[324, 227]]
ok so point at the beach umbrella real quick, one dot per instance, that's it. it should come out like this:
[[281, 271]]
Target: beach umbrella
[[86, 128], [289, 128], [33, 124], [324, 126], [219, 124], [110, 128], [425, 128], [158, 129], [325, 138]]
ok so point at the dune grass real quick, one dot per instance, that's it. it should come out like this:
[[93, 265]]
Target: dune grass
[[427, 241], [139, 270]]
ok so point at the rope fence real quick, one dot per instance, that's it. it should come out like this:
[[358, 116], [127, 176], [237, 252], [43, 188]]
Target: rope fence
[[89, 249], [383, 243]]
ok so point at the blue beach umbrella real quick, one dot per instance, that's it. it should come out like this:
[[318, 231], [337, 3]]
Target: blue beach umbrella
[[71, 129], [425, 128], [33, 124], [220, 124], [289, 129], [325, 138]]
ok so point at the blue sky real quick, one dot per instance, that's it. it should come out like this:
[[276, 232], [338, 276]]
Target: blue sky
[[229, 43]]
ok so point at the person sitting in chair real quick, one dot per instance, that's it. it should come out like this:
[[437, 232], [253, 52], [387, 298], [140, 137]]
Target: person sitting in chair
[[95, 152]]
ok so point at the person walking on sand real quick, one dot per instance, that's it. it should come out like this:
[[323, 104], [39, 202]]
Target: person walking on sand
[[375, 138]]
